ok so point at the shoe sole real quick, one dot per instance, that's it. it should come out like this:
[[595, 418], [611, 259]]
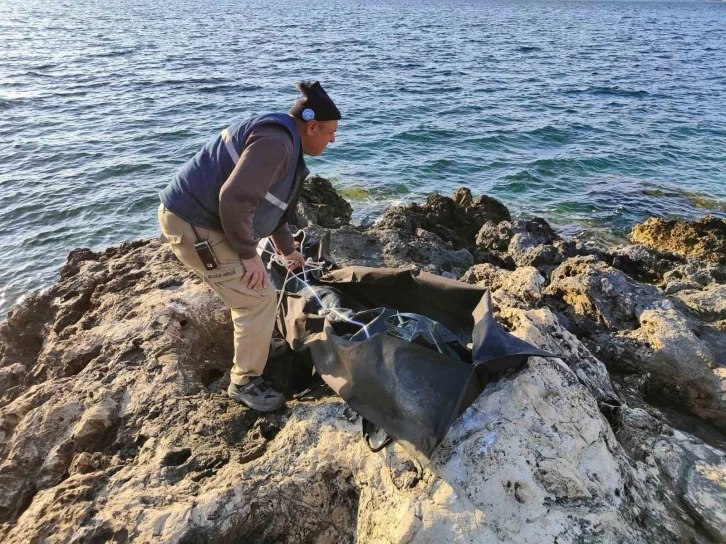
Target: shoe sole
[[254, 406]]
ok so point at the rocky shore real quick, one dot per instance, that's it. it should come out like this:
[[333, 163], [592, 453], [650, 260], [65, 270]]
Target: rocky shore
[[114, 425]]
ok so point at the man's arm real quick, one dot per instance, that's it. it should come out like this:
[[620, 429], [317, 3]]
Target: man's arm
[[266, 158], [282, 238]]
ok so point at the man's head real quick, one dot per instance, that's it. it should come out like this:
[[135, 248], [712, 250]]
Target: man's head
[[316, 117]]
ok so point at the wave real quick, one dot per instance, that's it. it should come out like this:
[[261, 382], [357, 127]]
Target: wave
[[536, 138], [212, 89], [7, 103], [209, 84], [609, 91], [111, 54], [424, 135], [528, 49]]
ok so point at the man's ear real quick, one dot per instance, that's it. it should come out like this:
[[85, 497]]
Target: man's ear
[[311, 125]]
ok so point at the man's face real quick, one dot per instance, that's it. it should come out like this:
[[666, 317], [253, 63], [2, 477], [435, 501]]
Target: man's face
[[317, 135]]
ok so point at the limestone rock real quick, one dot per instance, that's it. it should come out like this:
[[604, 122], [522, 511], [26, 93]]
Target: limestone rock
[[709, 302], [542, 328], [395, 249], [494, 236], [692, 275], [484, 275], [641, 262], [522, 243], [650, 333], [114, 425], [682, 366], [600, 293], [702, 239]]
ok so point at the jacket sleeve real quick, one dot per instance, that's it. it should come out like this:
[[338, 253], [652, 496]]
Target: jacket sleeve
[[265, 159]]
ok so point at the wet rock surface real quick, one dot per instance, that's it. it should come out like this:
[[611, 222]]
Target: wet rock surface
[[114, 424]]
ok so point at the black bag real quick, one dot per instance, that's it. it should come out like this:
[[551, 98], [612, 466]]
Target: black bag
[[411, 391]]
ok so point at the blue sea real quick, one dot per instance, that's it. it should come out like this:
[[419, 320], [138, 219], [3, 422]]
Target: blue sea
[[592, 114]]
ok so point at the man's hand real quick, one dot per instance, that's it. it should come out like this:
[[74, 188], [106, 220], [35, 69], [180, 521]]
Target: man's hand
[[297, 260], [255, 273]]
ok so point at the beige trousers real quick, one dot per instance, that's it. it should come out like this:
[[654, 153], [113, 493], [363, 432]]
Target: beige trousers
[[253, 310]]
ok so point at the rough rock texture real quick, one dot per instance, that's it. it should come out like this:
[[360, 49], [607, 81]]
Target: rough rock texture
[[640, 330], [703, 239], [320, 204], [455, 220], [390, 248], [114, 426]]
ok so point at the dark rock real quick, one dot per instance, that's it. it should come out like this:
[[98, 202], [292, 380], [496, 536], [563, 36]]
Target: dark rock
[[487, 208], [75, 258], [494, 236], [456, 220], [641, 262], [174, 458], [528, 243], [321, 204], [496, 258]]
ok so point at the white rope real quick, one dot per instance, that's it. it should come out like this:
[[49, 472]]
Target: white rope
[[279, 259]]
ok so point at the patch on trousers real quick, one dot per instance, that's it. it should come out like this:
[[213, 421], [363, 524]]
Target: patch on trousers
[[222, 274]]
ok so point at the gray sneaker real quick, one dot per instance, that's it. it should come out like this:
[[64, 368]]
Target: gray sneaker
[[258, 395]]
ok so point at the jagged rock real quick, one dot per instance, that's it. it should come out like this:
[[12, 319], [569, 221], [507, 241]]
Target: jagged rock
[[113, 426], [543, 329], [709, 302], [393, 249], [641, 262], [496, 258], [681, 364], [702, 239], [320, 204], [528, 419], [600, 293], [521, 288], [526, 250], [692, 275], [482, 210], [670, 272], [484, 275], [650, 335], [499, 235], [527, 243], [75, 258], [445, 217], [494, 236]]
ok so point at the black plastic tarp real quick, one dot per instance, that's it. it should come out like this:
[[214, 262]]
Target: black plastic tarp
[[412, 392]]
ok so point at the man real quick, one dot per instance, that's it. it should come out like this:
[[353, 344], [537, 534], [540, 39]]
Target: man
[[239, 188]]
